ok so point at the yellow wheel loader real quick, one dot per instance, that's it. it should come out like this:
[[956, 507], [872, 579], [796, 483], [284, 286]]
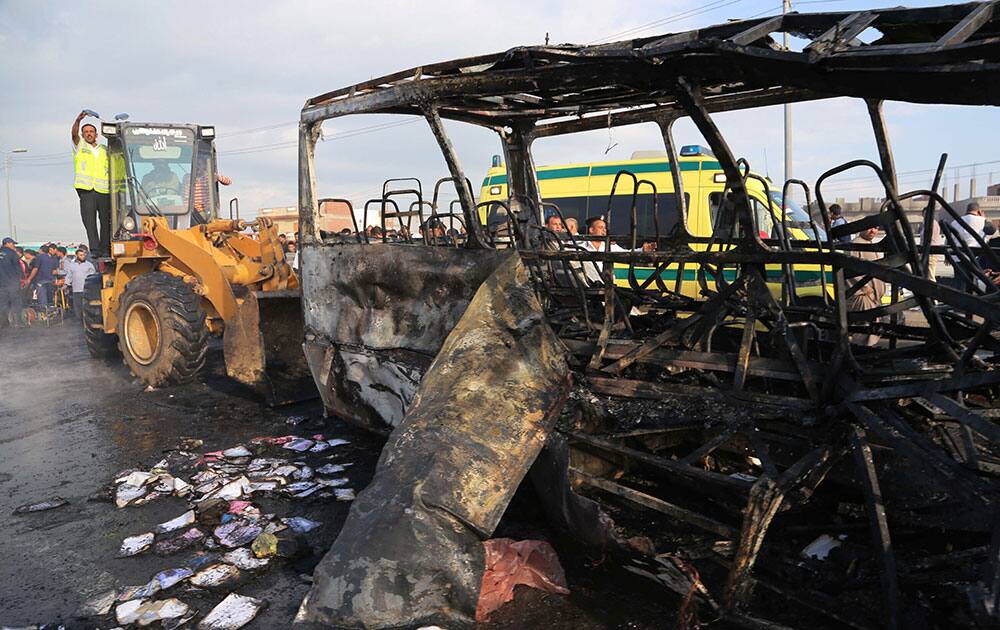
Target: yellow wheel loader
[[178, 273]]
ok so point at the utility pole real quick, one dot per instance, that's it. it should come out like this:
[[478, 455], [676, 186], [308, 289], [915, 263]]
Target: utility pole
[[786, 6], [10, 209]]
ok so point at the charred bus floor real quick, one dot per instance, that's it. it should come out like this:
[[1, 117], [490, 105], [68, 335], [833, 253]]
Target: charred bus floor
[[728, 427]]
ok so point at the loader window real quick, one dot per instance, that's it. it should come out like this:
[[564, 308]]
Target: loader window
[[204, 191], [160, 163]]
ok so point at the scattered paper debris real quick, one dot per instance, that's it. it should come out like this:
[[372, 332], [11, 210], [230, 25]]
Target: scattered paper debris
[[135, 544], [127, 493], [235, 611], [190, 444], [221, 489], [236, 533], [298, 487], [821, 547], [273, 440], [334, 483], [294, 420], [168, 578], [303, 473], [299, 444], [48, 504], [145, 613], [331, 469], [214, 575], [143, 591], [179, 543], [244, 559], [235, 507], [151, 612], [173, 524], [344, 494], [128, 612], [230, 491], [300, 525], [199, 560]]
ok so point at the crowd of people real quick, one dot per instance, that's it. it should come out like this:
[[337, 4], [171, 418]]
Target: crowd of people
[[41, 280]]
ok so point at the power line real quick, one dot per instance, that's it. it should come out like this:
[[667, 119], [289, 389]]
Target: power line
[[925, 171], [252, 130], [694, 12], [46, 156], [351, 133], [683, 15]]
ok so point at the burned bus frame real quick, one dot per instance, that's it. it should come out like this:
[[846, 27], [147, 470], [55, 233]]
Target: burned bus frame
[[939, 55]]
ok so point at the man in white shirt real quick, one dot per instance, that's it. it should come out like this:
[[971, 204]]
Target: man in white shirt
[[597, 231], [976, 220], [77, 271]]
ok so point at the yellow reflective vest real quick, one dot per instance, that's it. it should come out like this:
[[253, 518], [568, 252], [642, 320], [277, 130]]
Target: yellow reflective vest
[[91, 169], [118, 172]]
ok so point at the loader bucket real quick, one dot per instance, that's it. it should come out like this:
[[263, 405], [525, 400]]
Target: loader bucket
[[263, 347]]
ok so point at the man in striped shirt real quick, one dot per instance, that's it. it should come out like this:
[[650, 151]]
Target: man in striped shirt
[[201, 192]]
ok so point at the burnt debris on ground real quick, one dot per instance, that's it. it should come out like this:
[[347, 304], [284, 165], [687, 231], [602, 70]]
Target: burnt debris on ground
[[224, 533]]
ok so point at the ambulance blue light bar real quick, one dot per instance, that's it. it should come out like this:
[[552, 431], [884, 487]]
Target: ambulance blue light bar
[[695, 149]]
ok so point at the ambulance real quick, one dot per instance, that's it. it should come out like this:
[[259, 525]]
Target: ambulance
[[583, 191]]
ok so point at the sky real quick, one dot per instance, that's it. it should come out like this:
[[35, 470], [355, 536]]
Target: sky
[[247, 67]]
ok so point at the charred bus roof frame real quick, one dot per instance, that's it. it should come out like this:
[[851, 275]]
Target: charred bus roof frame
[[940, 54]]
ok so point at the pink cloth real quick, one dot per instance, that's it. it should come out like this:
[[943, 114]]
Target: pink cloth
[[533, 563], [235, 507]]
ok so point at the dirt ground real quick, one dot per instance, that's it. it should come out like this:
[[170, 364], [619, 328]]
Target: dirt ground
[[68, 423]]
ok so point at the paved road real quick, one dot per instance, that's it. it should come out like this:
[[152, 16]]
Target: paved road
[[68, 423]]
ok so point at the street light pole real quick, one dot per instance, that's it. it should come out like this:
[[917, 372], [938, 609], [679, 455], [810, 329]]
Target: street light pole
[[10, 208], [785, 8]]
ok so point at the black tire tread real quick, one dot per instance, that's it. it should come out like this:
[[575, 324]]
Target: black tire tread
[[100, 344], [182, 320]]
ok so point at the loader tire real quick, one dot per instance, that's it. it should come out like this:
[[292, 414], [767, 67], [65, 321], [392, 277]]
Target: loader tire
[[161, 330], [101, 345]]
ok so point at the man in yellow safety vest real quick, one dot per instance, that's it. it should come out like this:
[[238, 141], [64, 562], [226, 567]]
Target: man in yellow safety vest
[[90, 162]]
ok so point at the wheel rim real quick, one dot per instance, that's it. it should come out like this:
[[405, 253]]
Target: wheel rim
[[142, 333]]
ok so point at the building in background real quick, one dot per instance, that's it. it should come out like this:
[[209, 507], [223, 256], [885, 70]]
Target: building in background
[[334, 216], [914, 207]]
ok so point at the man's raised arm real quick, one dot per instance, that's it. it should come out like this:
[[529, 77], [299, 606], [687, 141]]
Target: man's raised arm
[[75, 132]]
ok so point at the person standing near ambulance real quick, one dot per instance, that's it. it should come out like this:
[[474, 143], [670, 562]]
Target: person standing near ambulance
[[90, 164]]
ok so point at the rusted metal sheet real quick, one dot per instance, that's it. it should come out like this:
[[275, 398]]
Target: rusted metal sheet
[[410, 551], [375, 317]]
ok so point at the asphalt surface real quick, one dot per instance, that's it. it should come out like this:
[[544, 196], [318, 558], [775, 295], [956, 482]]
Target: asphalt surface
[[69, 423]]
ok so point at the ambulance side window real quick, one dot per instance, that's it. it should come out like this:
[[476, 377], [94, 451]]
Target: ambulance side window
[[762, 216], [714, 206]]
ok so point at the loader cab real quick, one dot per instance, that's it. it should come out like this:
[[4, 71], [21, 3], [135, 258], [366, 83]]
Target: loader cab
[[166, 170]]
